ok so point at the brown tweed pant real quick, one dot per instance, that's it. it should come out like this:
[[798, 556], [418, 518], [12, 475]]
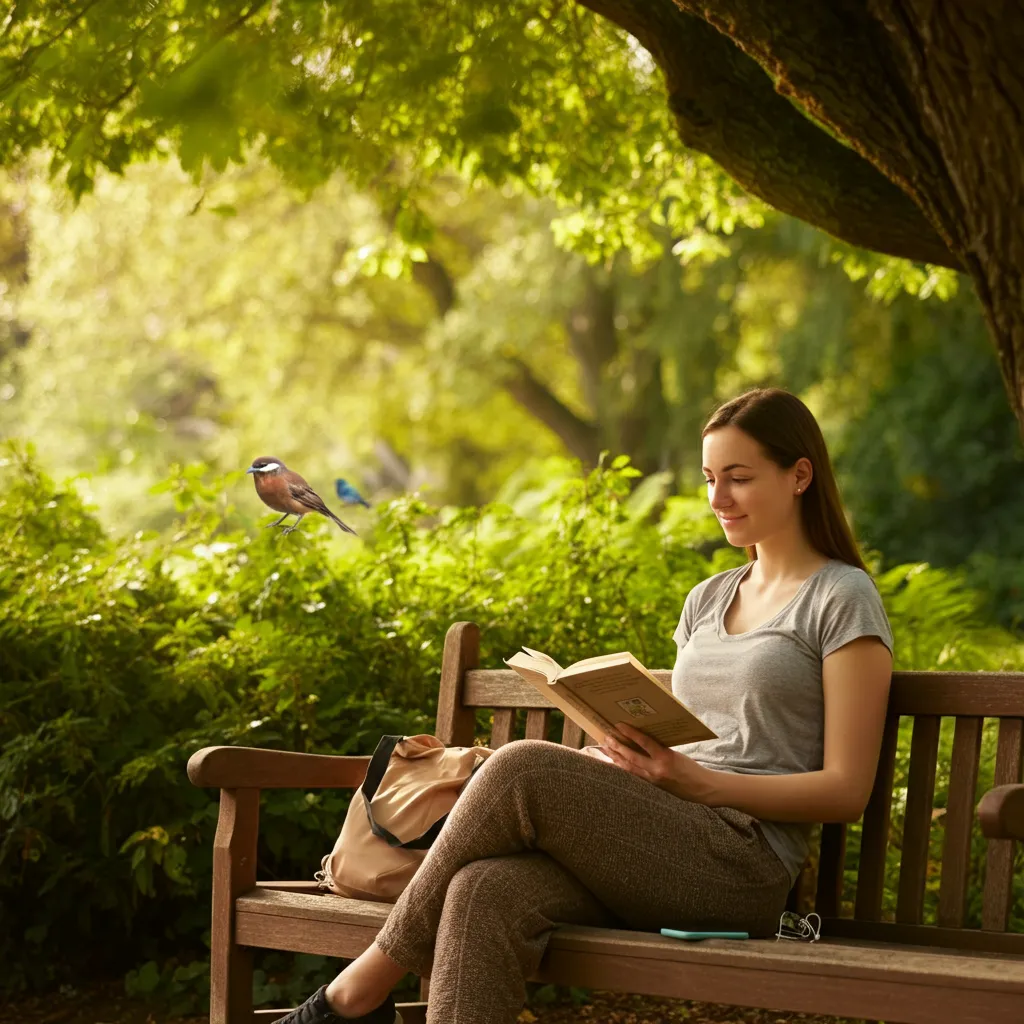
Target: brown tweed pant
[[544, 834]]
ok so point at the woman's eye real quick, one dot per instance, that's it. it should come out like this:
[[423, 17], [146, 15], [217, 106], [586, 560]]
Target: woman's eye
[[740, 480]]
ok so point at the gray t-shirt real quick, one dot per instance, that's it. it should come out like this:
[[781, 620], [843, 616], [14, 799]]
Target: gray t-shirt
[[760, 691]]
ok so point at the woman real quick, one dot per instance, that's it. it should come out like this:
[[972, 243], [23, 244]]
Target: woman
[[788, 660]]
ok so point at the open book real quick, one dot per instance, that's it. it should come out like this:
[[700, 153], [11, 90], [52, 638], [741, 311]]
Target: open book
[[598, 693]]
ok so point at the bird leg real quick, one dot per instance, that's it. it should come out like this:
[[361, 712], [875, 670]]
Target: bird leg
[[278, 522], [288, 529]]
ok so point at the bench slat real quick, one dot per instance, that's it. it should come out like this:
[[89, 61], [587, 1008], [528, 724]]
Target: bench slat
[[503, 728], [875, 833], [917, 820], [897, 937], [959, 818], [572, 734], [986, 694], [831, 958], [998, 891], [537, 724], [831, 860], [891, 999]]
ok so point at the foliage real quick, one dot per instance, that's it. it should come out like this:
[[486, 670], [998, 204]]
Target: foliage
[[117, 658], [933, 465], [165, 330], [544, 96], [120, 657], [162, 322]]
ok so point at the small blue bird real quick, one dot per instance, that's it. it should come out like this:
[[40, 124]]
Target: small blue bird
[[348, 494]]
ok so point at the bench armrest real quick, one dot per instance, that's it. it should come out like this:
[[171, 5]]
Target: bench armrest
[[257, 768], [1001, 812]]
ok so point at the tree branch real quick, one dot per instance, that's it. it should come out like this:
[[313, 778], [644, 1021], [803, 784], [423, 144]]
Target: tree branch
[[835, 60], [25, 60], [433, 275], [726, 106], [581, 438]]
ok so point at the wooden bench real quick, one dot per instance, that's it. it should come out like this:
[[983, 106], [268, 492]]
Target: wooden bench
[[865, 965]]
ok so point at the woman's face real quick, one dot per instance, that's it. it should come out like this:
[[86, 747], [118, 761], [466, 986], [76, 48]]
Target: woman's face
[[752, 496]]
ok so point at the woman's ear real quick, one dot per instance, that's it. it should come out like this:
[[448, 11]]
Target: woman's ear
[[804, 475]]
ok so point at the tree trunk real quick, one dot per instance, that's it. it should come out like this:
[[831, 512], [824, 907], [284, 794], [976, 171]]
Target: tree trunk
[[926, 105], [965, 65]]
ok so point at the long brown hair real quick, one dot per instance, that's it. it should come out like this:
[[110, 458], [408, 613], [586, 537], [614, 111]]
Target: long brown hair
[[787, 430]]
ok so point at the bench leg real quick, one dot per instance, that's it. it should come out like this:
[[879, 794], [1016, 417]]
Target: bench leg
[[234, 873]]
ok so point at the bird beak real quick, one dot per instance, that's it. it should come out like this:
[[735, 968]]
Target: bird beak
[[250, 470]]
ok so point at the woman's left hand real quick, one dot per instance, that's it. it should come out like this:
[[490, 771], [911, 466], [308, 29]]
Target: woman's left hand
[[666, 768]]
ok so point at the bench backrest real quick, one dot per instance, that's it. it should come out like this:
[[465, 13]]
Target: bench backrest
[[923, 698]]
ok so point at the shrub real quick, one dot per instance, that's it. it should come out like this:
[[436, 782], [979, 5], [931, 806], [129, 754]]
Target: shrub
[[119, 657]]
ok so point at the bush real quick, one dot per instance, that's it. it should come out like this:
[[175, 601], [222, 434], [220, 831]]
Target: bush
[[119, 657]]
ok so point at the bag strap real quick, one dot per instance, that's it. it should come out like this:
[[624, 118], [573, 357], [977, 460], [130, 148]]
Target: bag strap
[[374, 774]]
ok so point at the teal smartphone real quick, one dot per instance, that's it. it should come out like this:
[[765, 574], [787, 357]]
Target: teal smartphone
[[674, 933]]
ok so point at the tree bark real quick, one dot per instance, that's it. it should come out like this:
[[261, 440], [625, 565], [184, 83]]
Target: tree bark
[[964, 62], [726, 106], [926, 103], [835, 61]]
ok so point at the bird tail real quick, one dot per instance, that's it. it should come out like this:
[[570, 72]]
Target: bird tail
[[345, 527]]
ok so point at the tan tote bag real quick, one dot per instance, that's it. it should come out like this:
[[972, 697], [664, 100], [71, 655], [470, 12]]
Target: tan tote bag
[[396, 814]]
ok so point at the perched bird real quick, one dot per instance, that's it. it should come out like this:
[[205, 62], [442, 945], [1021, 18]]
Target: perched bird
[[348, 494], [283, 490]]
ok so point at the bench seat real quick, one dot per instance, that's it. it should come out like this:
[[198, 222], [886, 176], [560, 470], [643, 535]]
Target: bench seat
[[848, 977]]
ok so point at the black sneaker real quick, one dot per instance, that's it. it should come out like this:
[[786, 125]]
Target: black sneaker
[[316, 1010]]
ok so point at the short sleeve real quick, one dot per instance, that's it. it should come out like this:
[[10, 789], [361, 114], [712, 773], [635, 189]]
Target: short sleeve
[[852, 608], [686, 619]]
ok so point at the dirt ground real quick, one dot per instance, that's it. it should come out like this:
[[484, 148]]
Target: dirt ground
[[107, 1004]]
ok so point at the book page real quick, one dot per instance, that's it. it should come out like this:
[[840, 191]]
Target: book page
[[600, 659], [546, 658], [535, 663]]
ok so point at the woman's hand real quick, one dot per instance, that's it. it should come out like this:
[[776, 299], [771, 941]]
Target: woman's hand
[[666, 768]]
